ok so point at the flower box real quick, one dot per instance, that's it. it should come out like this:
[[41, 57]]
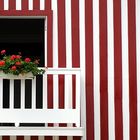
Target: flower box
[[28, 75], [17, 67]]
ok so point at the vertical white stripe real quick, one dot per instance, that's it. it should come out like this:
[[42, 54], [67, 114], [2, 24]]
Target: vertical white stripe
[[22, 93], [46, 21], [27, 137], [0, 137], [110, 33], [11, 94], [45, 97], [82, 62], [68, 34], [125, 70], [34, 93], [138, 62], [41, 138], [13, 137], [55, 52], [96, 70], [55, 56], [45, 76], [68, 78], [6, 4], [30, 3], [1, 93], [18, 4], [55, 34], [42, 4]]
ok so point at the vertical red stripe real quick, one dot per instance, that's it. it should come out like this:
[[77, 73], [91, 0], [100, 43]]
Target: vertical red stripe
[[5, 138], [25, 5], [36, 4], [20, 137], [75, 33], [62, 48], [61, 91], [61, 34], [1, 4], [89, 69], [103, 69], [47, 4], [12, 4], [75, 44], [132, 69], [118, 70], [34, 137], [49, 40]]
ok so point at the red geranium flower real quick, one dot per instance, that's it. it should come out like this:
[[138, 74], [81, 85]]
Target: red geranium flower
[[13, 57], [27, 60], [3, 52], [18, 56], [13, 68], [2, 63], [18, 63]]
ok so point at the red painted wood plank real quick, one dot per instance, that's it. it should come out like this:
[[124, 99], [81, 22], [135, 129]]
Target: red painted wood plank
[[118, 70], [47, 4], [89, 69], [103, 69], [1, 4], [36, 4], [24, 5], [12, 4], [132, 69]]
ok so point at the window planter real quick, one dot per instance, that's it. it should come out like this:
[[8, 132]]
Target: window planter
[[20, 76]]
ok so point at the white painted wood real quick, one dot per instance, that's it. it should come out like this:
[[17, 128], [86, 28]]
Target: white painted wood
[[33, 93], [6, 4], [1, 93], [42, 4], [96, 67], [68, 91], [20, 76], [44, 115], [55, 92], [78, 98], [138, 62], [22, 94], [68, 34], [82, 62], [30, 4], [61, 71], [41, 138], [41, 131], [27, 137], [13, 138], [11, 94], [125, 70], [55, 33], [45, 34], [110, 42], [45, 97], [18, 4], [55, 50], [39, 115]]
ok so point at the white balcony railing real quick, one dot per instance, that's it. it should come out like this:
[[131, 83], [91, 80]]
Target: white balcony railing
[[65, 90]]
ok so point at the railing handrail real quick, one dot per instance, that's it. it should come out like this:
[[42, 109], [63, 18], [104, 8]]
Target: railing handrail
[[61, 70]]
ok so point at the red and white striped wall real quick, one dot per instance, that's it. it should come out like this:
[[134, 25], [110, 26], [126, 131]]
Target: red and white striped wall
[[102, 37]]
